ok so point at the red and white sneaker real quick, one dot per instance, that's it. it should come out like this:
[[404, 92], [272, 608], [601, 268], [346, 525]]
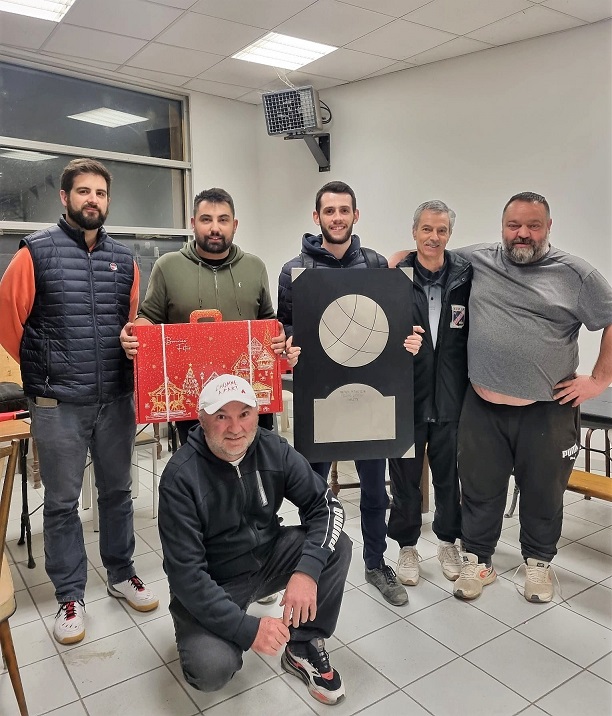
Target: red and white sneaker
[[136, 593], [473, 577], [69, 627], [309, 661]]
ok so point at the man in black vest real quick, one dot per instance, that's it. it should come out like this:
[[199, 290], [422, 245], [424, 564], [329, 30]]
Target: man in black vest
[[337, 247], [64, 299]]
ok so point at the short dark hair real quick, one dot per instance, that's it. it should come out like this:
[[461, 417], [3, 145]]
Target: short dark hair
[[334, 187], [531, 198], [83, 166], [215, 196]]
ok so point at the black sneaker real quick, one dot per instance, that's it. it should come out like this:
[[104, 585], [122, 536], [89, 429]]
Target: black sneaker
[[310, 662], [385, 580]]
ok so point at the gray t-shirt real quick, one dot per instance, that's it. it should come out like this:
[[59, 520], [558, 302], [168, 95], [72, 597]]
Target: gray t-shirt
[[525, 319]]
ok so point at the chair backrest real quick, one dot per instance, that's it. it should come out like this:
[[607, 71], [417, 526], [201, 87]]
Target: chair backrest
[[11, 452]]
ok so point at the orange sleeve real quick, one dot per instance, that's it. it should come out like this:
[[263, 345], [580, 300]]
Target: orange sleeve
[[17, 292], [135, 293]]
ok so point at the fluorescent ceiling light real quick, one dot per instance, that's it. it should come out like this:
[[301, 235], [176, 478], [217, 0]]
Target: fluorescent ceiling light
[[290, 53], [53, 10], [26, 156], [107, 117]]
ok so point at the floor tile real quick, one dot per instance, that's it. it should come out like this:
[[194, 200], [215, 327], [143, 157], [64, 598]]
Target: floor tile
[[361, 615], [585, 694], [595, 603], [585, 561], [575, 528], [151, 536], [32, 643], [444, 692], [155, 693], [603, 668], [99, 664], [254, 672], [573, 636], [74, 709], [32, 577], [524, 666], [353, 530], [356, 573], [26, 610], [397, 703], [45, 684], [502, 601], [594, 510], [273, 698], [601, 541], [18, 583], [506, 558], [160, 633], [457, 625], [386, 650]]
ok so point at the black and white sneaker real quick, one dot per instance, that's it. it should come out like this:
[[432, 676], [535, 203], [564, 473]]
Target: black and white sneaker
[[310, 662]]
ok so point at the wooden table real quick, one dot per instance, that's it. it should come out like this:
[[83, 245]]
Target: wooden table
[[20, 430]]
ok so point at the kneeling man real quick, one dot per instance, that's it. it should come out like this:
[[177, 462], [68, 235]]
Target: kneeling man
[[224, 547]]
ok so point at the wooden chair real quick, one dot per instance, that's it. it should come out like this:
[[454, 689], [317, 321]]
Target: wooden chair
[[8, 605]]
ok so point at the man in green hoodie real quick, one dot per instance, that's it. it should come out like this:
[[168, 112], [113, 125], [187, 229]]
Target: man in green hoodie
[[209, 272]]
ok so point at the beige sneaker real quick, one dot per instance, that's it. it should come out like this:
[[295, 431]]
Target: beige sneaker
[[450, 559], [473, 577], [408, 566], [538, 582]]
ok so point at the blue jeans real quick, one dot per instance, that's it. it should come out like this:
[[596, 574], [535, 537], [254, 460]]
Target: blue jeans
[[63, 435], [373, 505]]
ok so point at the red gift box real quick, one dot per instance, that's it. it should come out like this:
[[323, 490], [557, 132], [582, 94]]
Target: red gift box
[[175, 361]]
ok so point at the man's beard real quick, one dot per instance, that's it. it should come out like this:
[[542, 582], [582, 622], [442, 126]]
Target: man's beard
[[526, 254], [220, 244], [334, 240], [88, 223]]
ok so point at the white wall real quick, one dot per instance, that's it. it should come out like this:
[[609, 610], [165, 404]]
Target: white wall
[[224, 152], [472, 131]]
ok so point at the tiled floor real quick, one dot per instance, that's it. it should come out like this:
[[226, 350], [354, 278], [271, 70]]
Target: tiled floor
[[437, 655]]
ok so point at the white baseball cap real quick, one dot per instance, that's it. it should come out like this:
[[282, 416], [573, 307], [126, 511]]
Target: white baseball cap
[[224, 389]]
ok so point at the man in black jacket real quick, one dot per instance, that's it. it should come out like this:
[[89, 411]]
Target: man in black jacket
[[337, 247], [224, 547], [442, 283]]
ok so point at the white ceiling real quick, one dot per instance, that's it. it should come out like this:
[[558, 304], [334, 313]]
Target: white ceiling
[[187, 44]]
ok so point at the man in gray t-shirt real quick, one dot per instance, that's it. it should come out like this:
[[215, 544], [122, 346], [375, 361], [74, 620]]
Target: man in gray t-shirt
[[520, 414]]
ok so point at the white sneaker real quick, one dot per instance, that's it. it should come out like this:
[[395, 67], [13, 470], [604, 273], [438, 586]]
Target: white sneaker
[[408, 566], [538, 582], [450, 559], [474, 576], [270, 599], [69, 627], [138, 596]]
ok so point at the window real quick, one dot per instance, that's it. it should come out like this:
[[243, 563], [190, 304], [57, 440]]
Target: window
[[46, 120]]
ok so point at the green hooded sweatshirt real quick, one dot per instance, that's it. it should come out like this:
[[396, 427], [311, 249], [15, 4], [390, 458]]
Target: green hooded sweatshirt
[[181, 283]]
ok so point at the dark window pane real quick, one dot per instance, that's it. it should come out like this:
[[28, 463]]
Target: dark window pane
[[146, 250], [37, 105], [141, 195]]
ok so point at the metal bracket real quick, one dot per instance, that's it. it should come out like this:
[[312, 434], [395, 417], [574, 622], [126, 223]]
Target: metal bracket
[[319, 145]]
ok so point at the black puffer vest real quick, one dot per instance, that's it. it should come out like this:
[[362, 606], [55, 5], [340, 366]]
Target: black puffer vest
[[70, 349]]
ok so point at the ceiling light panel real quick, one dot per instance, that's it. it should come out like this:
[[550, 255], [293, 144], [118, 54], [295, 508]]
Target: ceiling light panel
[[26, 156], [53, 10], [107, 117], [290, 53]]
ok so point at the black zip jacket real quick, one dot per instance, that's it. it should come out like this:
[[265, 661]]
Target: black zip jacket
[[312, 247], [441, 375], [216, 522]]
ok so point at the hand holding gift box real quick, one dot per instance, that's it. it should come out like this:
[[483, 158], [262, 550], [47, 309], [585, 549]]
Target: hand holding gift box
[[175, 361]]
